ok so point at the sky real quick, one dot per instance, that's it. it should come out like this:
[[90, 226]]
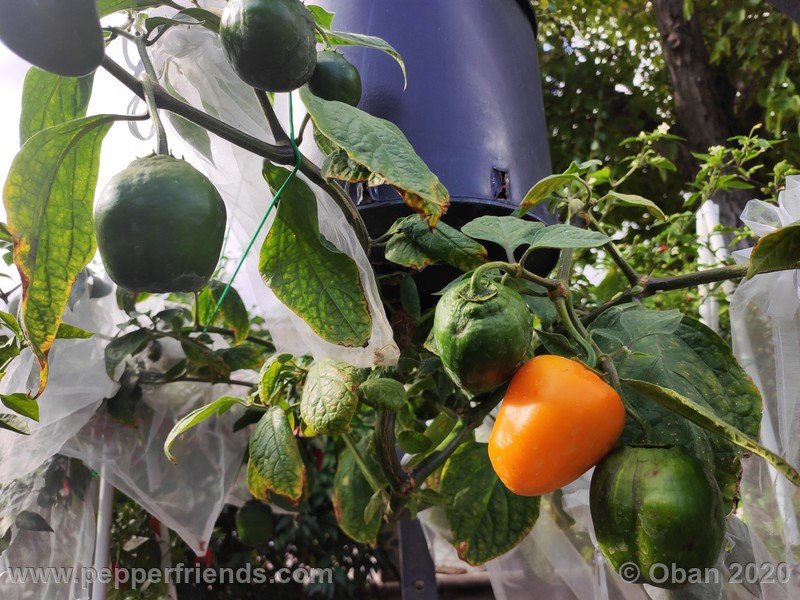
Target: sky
[[109, 96]]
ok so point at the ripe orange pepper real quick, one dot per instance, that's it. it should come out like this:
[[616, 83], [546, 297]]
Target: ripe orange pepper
[[557, 420]]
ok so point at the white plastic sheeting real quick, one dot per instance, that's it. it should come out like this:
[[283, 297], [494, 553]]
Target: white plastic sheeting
[[191, 64]]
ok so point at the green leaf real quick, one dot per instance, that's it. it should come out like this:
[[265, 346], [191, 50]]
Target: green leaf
[[693, 361], [49, 100], [48, 197], [546, 188], [232, 313], [217, 407], [776, 251], [374, 507], [315, 280], [508, 232], [330, 396], [107, 7], [351, 496], [70, 332], [199, 16], [413, 442], [124, 346], [31, 521], [440, 243], [486, 519], [409, 297], [634, 200], [567, 236], [5, 540], [270, 375], [402, 251], [342, 38], [383, 393], [705, 418], [322, 17], [438, 429], [381, 148], [275, 464], [22, 404], [11, 322], [14, 423]]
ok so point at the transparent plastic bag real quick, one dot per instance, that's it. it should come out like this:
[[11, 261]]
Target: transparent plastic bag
[[192, 65], [766, 341], [69, 546]]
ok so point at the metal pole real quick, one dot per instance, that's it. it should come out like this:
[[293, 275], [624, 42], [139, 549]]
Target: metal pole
[[417, 571], [103, 534]]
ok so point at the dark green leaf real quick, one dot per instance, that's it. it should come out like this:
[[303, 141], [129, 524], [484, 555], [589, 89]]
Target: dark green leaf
[[383, 393], [275, 464], [409, 297], [708, 420], [31, 521], [49, 100], [270, 375], [776, 251], [380, 147], [351, 496], [124, 346], [440, 243], [339, 315], [413, 442], [486, 519], [693, 361]]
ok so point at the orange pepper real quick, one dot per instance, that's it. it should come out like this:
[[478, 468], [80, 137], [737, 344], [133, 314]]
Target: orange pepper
[[557, 420]]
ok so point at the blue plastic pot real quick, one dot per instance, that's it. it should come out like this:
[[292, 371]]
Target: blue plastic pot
[[473, 107]]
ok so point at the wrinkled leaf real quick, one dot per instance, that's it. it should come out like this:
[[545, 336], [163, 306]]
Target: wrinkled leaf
[[311, 277], [486, 519], [383, 393], [330, 396], [695, 362], [276, 465], [48, 197], [443, 243], [381, 148], [708, 420]]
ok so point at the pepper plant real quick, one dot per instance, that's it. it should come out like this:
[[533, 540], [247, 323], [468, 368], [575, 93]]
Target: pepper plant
[[675, 382]]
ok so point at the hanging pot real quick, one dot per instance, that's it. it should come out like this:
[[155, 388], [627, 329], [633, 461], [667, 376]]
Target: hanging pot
[[472, 110]]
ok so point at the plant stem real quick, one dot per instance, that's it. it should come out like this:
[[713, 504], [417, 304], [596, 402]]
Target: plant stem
[[324, 35], [386, 447], [201, 380], [649, 286], [369, 475], [627, 269], [282, 155], [299, 137], [149, 79], [278, 132], [569, 325], [230, 333]]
